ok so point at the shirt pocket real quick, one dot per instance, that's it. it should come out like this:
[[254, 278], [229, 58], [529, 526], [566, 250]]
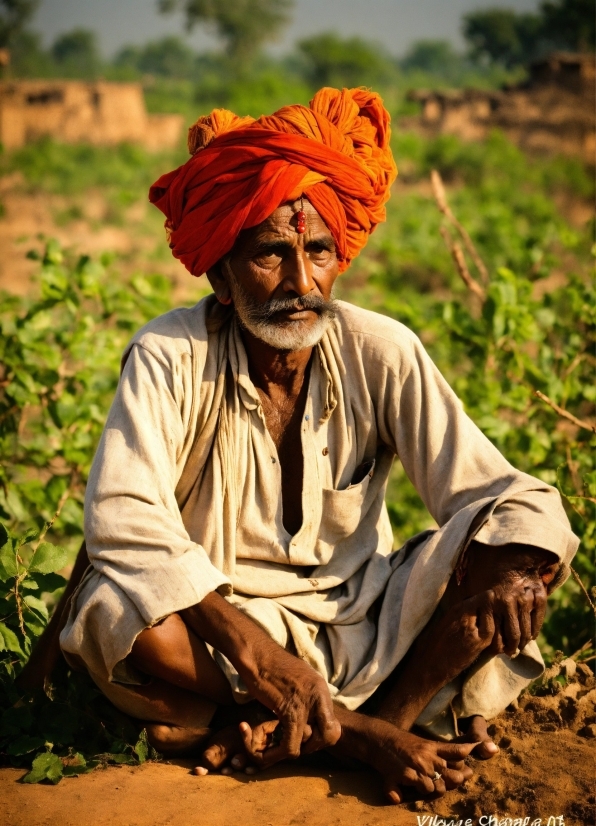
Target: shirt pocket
[[343, 509]]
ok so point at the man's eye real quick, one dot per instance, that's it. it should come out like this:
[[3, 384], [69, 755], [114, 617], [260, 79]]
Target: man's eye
[[268, 256], [318, 251]]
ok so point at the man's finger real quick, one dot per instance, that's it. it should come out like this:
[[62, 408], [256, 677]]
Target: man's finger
[[455, 751], [328, 725], [454, 778], [510, 625], [291, 742], [440, 787], [525, 619], [425, 784], [538, 612]]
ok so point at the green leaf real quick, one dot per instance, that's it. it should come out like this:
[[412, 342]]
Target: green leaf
[[120, 759], [8, 560], [36, 605], [142, 747], [48, 583], [78, 766], [46, 766], [48, 558], [10, 641]]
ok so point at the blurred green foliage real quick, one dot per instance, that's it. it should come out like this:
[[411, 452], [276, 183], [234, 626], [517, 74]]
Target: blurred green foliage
[[244, 26], [76, 54], [14, 15], [330, 60], [506, 37]]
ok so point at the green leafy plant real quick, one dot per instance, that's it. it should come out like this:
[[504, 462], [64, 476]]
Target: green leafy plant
[[59, 358]]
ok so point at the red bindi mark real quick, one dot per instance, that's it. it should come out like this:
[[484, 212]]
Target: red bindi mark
[[301, 218]]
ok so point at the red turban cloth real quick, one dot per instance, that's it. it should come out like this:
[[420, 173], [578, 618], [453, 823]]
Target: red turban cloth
[[336, 153]]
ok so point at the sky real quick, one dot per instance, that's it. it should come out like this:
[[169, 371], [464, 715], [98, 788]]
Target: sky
[[394, 23]]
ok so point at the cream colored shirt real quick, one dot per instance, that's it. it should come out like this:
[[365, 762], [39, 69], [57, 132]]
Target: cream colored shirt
[[184, 498]]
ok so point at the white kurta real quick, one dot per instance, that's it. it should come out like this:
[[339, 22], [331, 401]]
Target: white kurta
[[184, 498]]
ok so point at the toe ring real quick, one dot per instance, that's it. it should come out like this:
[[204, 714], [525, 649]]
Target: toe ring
[[436, 776]]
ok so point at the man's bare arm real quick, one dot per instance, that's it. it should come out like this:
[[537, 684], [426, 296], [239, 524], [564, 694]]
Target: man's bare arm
[[290, 688]]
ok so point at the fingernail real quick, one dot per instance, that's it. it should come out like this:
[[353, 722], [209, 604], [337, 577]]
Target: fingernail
[[227, 771], [250, 770], [243, 726], [492, 747], [236, 761], [200, 770]]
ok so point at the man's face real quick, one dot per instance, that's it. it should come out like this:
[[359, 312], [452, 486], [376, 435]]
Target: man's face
[[280, 281]]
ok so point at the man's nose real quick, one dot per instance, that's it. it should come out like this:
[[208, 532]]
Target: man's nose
[[297, 276]]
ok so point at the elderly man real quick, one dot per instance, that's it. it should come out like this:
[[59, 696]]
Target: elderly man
[[241, 552]]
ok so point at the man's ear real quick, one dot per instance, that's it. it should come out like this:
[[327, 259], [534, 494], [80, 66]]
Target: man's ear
[[219, 283]]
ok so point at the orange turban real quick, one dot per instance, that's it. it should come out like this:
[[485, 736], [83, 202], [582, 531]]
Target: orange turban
[[336, 153]]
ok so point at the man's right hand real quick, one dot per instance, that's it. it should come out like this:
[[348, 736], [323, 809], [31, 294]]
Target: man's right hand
[[286, 685]]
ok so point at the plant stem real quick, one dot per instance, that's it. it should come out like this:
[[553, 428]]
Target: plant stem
[[564, 413]]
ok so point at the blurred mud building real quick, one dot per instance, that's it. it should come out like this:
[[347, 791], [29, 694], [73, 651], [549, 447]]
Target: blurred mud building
[[71, 111], [553, 112]]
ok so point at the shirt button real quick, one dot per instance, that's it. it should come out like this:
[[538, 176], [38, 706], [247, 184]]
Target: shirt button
[[314, 582], [325, 451], [306, 418]]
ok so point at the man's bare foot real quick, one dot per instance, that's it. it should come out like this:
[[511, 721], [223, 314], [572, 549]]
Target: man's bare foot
[[175, 741], [226, 750], [475, 731], [402, 758]]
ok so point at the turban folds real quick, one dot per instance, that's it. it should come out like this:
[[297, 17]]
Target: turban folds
[[336, 152]]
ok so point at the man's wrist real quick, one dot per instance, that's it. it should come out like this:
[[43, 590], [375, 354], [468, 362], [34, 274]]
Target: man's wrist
[[230, 632]]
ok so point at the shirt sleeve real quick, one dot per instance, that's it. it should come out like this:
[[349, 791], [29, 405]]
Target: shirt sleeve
[[133, 528], [452, 464]]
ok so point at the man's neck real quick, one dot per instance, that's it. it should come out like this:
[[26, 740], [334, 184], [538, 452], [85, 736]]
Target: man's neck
[[275, 372]]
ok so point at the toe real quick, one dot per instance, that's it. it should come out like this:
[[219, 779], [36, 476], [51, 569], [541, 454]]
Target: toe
[[479, 731], [486, 750], [221, 748], [238, 761], [394, 794]]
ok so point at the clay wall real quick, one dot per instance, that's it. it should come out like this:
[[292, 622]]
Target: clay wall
[[553, 113], [76, 111]]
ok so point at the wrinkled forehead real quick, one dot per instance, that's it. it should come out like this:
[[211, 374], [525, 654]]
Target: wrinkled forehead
[[282, 222]]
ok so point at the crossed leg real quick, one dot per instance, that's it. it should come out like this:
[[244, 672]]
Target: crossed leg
[[482, 615]]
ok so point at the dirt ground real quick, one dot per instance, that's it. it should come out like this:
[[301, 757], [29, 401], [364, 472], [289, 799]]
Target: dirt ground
[[545, 769]]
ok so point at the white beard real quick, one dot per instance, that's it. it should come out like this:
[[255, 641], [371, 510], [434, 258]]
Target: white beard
[[291, 336], [288, 335]]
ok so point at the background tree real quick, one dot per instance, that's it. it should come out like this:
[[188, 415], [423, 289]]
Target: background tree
[[501, 36], [243, 25], [435, 57], [329, 60], [168, 57], [569, 24], [76, 53], [14, 15]]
